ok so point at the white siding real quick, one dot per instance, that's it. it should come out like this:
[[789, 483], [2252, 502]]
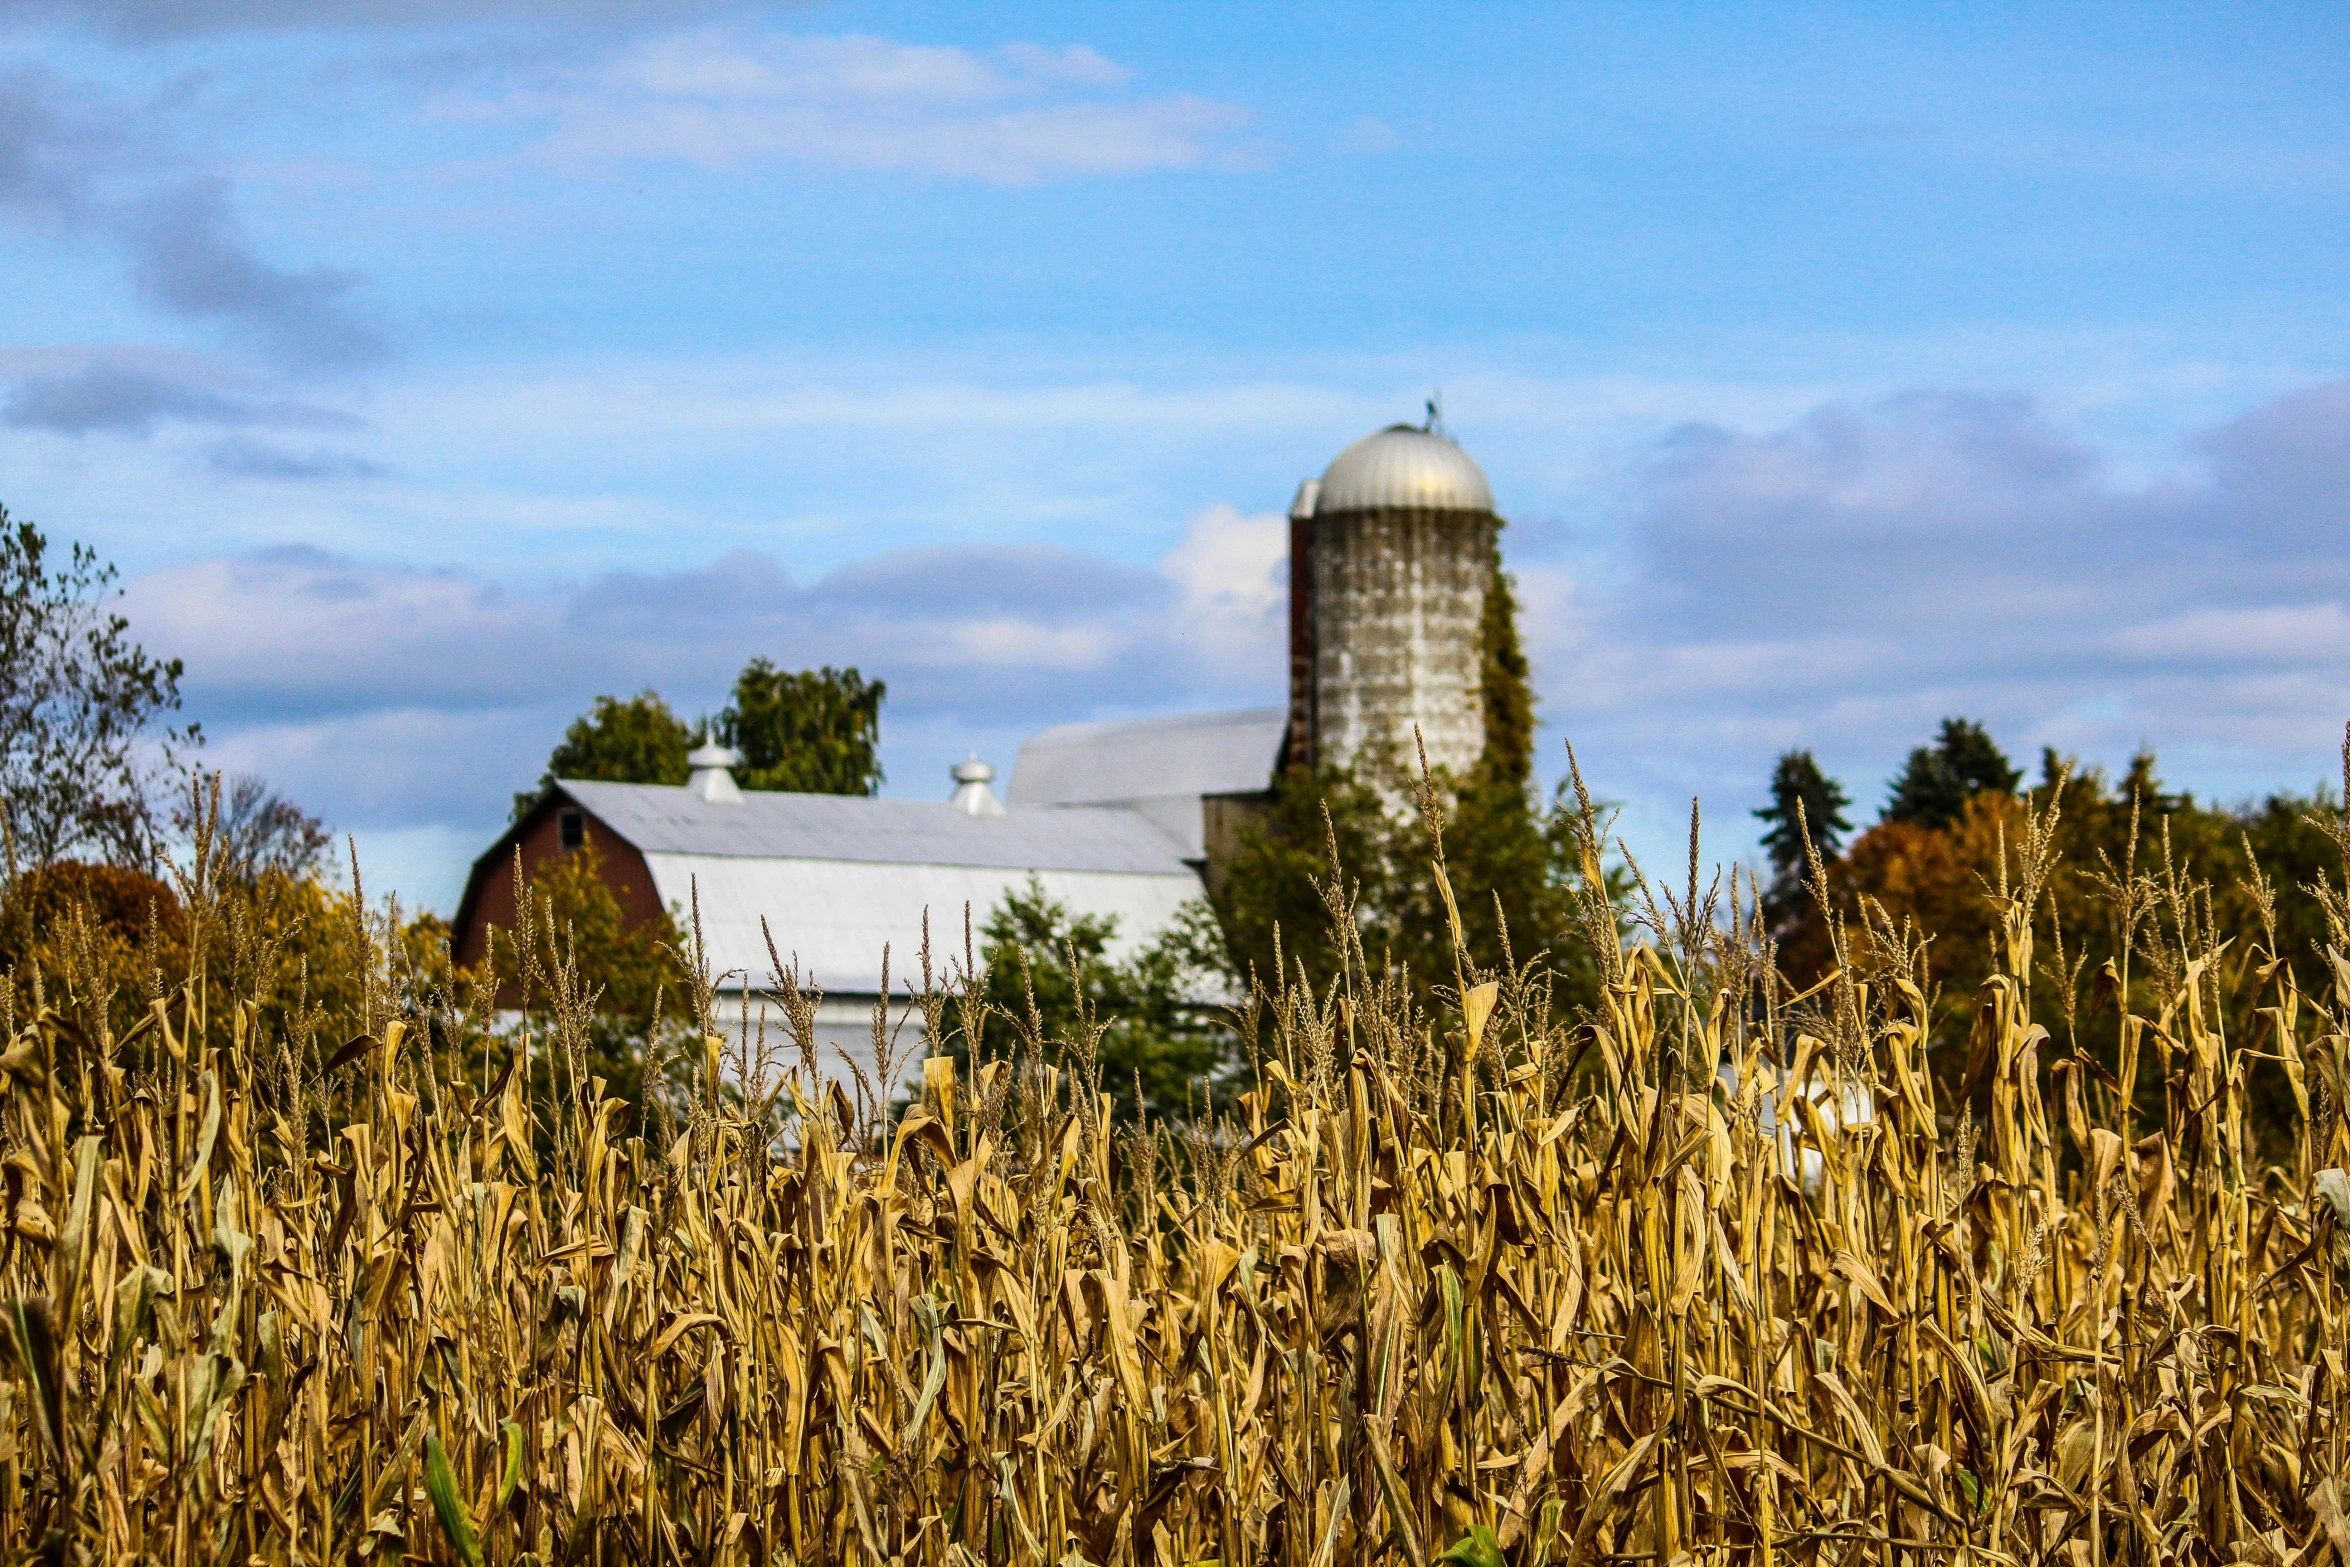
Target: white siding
[[835, 916]]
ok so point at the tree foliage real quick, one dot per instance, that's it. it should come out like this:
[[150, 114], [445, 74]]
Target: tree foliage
[[1505, 687], [809, 731], [1510, 855], [83, 750], [2116, 912], [95, 942], [1270, 891], [1147, 1025], [574, 947], [1935, 784], [619, 740], [96, 935], [1803, 799]]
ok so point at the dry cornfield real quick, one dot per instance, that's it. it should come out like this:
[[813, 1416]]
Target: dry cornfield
[[1707, 1275]]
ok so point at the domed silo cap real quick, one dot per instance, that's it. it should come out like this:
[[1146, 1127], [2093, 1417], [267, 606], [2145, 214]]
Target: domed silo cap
[[1403, 466]]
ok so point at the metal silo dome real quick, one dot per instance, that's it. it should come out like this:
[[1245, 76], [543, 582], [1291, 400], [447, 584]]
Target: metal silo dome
[[1404, 466]]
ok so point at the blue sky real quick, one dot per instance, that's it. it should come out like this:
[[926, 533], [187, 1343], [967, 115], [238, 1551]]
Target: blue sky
[[430, 368]]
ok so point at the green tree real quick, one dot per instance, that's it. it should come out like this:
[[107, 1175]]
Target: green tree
[[620, 740], [1937, 781], [629, 976], [2205, 864], [1803, 799], [1505, 687], [1512, 867], [1507, 873], [82, 755], [810, 731], [1146, 1022], [1506, 857], [1269, 889], [1509, 856]]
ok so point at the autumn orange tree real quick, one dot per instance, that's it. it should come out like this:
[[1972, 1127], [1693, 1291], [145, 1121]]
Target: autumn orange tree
[[2144, 873]]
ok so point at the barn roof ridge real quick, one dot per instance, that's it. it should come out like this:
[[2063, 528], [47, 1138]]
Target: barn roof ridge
[[862, 829]]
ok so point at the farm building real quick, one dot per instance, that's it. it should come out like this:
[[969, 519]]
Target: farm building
[[835, 878], [1391, 551]]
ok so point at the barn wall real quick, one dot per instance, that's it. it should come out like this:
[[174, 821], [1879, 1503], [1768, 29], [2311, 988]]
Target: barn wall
[[836, 918], [624, 870], [1225, 819]]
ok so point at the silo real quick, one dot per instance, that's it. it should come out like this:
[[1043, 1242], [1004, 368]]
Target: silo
[[1391, 552]]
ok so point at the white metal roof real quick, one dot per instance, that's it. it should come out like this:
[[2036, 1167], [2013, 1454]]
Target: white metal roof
[[1150, 758], [859, 829], [838, 877], [1404, 465]]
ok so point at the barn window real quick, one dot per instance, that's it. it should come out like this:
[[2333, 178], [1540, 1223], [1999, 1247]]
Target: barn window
[[572, 828]]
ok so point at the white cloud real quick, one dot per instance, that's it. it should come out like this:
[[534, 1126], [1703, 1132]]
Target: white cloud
[[390, 695], [992, 644], [1231, 565], [2232, 637], [720, 97], [149, 20], [716, 65], [1845, 581]]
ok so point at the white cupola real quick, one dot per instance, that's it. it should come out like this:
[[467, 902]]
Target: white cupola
[[713, 774], [973, 793]]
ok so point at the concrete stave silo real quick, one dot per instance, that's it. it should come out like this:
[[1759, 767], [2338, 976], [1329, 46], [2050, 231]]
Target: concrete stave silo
[[1392, 552]]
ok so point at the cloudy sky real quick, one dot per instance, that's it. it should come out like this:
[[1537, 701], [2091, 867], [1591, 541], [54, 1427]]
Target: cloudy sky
[[430, 367]]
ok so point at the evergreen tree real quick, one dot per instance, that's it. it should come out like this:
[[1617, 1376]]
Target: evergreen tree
[[810, 731], [620, 740], [1937, 781], [1798, 781], [1975, 760]]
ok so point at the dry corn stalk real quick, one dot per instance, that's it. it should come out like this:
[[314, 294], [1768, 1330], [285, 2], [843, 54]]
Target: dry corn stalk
[[1705, 1274]]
